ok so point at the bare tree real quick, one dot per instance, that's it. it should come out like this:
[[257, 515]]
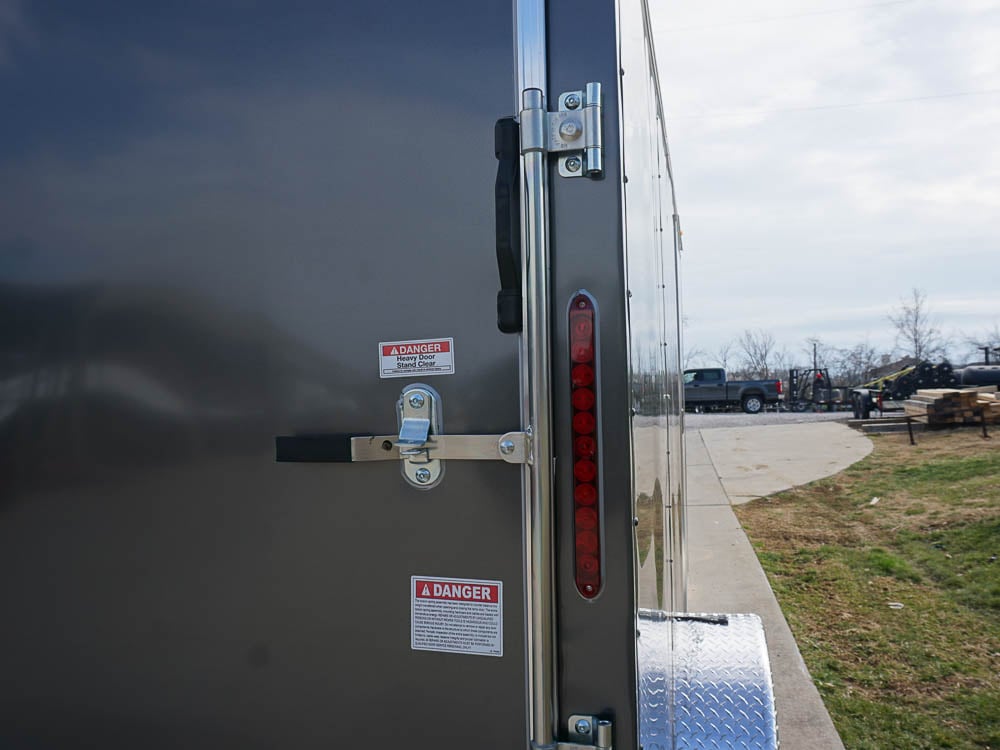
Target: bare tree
[[855, 366], [757, 348], [722, 355], [985, 345], [693, 356], [781, 363], [916, 334], [819, 353]]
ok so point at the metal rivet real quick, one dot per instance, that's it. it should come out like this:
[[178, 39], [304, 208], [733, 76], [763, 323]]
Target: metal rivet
[[569, 130], [583, 727], [572, 101], [573, 164], [507, 447], [422, 475], [417, 400]]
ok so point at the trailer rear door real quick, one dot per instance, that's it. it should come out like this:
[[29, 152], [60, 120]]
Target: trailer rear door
[[211, 217]]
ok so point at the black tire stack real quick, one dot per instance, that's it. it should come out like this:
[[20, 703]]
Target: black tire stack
[[947, 377], [925, 375]]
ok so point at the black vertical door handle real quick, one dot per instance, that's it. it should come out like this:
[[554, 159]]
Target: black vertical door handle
[[508, 212]]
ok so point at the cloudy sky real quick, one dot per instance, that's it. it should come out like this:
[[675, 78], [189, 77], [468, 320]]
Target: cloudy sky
[[831, 156]]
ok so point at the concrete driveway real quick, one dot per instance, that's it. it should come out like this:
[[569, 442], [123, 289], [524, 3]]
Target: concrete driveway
[[728, 466]]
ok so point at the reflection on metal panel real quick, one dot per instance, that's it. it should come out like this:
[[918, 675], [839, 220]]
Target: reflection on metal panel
[[713, 690], [654, 341]]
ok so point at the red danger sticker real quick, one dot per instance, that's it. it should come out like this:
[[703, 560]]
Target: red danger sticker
[[456, 615], [403, 359]]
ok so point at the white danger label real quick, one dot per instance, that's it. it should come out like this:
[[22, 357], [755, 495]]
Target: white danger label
[[400, 359], [456, 615]]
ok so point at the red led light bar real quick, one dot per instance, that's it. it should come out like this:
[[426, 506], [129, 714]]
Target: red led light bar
[[586, 492]]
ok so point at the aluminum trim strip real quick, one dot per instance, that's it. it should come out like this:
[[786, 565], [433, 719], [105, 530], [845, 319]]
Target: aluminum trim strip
[[531, 87], [537, 335]]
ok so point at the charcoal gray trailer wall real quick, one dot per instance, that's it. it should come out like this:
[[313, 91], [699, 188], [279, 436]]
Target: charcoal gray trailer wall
[[210, 215]]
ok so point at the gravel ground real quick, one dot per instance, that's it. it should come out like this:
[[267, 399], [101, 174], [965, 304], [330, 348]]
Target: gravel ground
[[739, 419]]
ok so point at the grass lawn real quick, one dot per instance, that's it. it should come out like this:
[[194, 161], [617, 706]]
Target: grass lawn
[[889, 578]]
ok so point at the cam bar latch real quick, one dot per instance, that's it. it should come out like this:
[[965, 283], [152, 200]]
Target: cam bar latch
[[573, 132], [419, 445], [422, 446]]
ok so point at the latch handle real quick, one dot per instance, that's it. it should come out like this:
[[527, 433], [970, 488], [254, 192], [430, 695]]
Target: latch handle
[[334, 448]]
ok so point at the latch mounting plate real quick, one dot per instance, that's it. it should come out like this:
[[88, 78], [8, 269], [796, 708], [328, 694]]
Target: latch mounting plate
[[419, 411], [423, 447]]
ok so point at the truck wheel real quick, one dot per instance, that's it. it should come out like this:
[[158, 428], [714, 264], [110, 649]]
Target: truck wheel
[[753, 404]]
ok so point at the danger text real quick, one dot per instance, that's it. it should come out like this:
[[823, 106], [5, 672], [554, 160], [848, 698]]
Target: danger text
[[468, 592]]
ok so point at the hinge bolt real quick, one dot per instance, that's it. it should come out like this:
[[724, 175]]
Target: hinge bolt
[[573, 164], [417, 401], [507, 447], [583, 727], [422, 475], [572, 101], [569, 130]]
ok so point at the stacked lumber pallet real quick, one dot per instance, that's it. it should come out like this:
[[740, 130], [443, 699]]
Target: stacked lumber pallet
[[989, 402], [943, 406]]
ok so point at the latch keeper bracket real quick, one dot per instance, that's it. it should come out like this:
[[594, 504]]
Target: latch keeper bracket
[[588, 733]]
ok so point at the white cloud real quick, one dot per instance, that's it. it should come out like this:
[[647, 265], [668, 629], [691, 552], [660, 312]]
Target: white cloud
[[812, 197]]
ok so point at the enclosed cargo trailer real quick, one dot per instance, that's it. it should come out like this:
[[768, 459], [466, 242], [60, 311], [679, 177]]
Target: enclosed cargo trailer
[[274, 469]]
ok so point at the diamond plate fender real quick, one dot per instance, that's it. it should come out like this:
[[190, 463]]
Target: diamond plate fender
[[704, 682]]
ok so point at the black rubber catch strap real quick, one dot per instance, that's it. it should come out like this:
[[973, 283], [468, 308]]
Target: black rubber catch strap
[[508, 210], [313, 448]]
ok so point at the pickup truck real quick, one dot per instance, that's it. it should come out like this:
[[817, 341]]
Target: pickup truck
[[707, 388]]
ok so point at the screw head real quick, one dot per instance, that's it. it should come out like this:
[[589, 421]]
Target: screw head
[[417, 400], [573, 164], [572, 101], [422, 475], [583, 727], [570, 130], [507, 447]]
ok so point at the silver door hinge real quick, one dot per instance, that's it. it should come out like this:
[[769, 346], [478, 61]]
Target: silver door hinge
[[421, 447], [574, 131], [588, 733]]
